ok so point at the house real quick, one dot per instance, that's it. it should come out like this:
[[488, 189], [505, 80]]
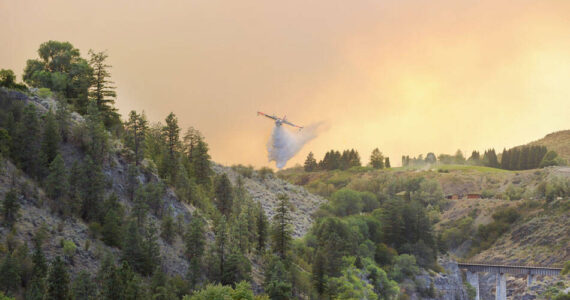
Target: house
[[473, 196]]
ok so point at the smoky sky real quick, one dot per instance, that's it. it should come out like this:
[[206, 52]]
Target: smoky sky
[[408, 77]]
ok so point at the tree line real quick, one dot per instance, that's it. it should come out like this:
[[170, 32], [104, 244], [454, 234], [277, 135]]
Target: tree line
[[335, 160]]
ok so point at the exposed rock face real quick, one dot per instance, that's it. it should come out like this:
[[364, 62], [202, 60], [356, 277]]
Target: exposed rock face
[[448, 285], [304, 204]]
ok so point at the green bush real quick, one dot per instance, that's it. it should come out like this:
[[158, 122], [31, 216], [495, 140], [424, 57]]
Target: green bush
[[69, 248], [44, 93]]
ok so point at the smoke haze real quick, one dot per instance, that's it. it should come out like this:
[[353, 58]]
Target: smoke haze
[[284, 144]]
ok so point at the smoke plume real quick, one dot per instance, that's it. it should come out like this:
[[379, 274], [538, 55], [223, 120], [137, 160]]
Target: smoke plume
[[284, 144]]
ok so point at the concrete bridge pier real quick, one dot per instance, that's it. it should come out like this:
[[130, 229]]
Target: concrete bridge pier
[[501, 289], [473, 279], [528, 280]]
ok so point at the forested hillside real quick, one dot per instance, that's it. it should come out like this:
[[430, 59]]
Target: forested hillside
[[95, 205]]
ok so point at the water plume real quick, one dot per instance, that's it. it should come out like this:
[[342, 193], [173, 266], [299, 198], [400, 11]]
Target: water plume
[[284, 144]]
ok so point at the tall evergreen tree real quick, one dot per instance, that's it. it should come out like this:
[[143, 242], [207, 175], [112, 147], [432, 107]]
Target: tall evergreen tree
[[224, 194], [132, 246], [310, 163], [281, 231], [10, 209], [195, 243], [377, 159], [201, 162], [9, 274], [51, 138], [27, 143], [262, 229], [150, 249], [102, 92], [136, 129], [171, 132], [57, 184], [84, 288], [58, 281], [92, 186], [221, 246]]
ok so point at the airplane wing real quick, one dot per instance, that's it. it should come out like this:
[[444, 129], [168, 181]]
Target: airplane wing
[[267, 116], [289, 123]]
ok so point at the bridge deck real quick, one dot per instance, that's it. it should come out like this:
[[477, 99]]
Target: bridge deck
[[495, 268]]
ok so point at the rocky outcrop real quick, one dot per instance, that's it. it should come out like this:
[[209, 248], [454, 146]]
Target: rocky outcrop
[[265, 190], [446, 286]]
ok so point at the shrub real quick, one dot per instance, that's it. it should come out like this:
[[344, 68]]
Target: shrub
[[69, 248], [44, 93]]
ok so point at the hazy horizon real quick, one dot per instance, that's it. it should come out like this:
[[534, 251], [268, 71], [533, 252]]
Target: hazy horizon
[[408, 77]]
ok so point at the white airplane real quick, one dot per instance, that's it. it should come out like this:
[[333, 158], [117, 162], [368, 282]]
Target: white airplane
[[279, 121]]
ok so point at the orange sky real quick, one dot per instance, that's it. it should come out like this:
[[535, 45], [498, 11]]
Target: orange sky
[[406, 76]]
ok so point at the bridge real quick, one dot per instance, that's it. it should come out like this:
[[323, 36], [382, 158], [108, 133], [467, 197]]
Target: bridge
[[500, 270]]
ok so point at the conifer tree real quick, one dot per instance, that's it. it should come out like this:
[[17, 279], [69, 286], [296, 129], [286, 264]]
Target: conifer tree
[[9, 274], [92, 185], [310, 163], [136, 129], [98, 141], [57, 281], [51, 138], [377, 159], [57, 185], [84, 288], [102, 92], [224, 194], [387, 163], [63, 117], [201, 163], [132, 246], [261, 224], [10, 209], [27, 143], [171, 133], [221, 246], [150, 249], [281, 231], [195, 243]]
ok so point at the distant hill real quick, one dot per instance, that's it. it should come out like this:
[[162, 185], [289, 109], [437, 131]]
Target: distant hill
[[558, 141]]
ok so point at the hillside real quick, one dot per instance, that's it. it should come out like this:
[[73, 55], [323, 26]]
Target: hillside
[[558, 141]]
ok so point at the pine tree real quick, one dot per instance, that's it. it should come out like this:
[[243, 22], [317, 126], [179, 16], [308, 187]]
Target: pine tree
[[171, 134], [310, 163], [98, 145], [9, 274], [277, 282], [201, 163], [101, 92], [150, 249], [111, 231], [132, 246], [377, 159], [261, 224], [195, 243], [136, 129], [281, 231], [57, 185], [63, 117], [387, 163], [57, 281], [84, 288], [27, 143], [10, 209], [224, 194], [50, 139], [92, 186], [221, 246]]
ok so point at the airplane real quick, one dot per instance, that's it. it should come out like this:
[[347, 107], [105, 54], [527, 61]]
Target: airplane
[[279, 121]]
